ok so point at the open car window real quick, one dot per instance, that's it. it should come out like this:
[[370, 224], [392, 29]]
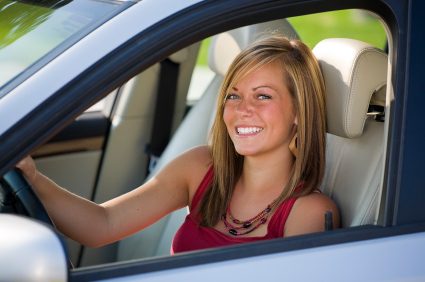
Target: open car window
[[133, 105]]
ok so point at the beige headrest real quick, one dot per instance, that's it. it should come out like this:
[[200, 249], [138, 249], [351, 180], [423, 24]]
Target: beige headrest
[[353, 71], [227, 45]]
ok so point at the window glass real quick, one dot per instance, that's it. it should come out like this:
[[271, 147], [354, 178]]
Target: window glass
[[30, 30]]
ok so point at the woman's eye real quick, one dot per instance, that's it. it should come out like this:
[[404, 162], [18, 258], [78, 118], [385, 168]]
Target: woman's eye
[[232, 97], [264, 97]]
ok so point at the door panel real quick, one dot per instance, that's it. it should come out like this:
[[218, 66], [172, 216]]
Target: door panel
[[86, 133], [102, 154], [72, 159]]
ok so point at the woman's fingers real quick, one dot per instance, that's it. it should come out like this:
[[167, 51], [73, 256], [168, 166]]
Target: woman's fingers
[[27, 166]]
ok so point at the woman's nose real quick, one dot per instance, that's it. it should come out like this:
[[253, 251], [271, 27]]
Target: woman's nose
[[244, 106]]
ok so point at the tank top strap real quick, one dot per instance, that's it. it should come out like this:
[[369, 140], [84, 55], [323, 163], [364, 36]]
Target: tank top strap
[[278, 220], [205, 183], [280, 216]]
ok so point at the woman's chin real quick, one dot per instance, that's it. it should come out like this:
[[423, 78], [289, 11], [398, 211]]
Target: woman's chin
[[247, 152]]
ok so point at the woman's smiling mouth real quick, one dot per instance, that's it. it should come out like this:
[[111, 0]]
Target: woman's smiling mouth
[[248, 130]]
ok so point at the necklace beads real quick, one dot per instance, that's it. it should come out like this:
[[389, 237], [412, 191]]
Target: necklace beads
[[238, 227]]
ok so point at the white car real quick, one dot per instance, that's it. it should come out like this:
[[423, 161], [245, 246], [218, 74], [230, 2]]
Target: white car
[[103, 93]]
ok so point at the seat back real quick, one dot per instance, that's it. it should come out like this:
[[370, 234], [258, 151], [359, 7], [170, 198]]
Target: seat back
[[193, 131], [355, 75]]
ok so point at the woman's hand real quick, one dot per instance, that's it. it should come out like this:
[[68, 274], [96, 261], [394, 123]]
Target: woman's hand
[[28, 168]]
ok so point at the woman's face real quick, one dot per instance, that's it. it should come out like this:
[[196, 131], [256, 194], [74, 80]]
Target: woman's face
[[259, 113]]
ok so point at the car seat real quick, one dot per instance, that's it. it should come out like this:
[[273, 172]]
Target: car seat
[[193, 131], [355, 75], [124, 162]]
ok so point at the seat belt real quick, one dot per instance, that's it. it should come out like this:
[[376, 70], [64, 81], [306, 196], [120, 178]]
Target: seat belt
[[164, 111]]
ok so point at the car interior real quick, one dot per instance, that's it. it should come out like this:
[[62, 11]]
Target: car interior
[[104, 166]]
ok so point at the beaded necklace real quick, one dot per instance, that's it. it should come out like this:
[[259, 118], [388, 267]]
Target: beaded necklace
[[241, 227]]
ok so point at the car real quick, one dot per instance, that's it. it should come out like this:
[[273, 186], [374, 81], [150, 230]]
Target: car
[[97, 93]]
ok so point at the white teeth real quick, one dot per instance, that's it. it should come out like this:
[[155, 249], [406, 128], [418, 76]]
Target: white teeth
[[248, 130]]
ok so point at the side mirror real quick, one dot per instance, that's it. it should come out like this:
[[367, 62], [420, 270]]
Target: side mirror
[[30, 251]]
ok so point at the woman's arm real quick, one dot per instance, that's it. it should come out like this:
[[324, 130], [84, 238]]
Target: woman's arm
[[95, 225]]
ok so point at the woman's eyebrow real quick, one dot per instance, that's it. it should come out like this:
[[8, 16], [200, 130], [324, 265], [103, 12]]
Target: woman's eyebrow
[[263, 86]]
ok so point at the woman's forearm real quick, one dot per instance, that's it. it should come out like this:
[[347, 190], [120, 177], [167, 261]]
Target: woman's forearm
[[76, 217]]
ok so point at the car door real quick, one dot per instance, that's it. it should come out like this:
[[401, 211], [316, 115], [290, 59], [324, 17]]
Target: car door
[[73, 157], [361, 246], [327, 256]]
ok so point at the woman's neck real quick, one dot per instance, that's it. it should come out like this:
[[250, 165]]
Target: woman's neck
[[271, 171]]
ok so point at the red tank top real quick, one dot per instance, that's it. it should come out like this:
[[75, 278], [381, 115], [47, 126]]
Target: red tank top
[[192, 236]]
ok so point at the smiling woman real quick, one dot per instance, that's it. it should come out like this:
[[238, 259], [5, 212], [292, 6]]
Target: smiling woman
[[255, 101], [275, 87], [275, 80]]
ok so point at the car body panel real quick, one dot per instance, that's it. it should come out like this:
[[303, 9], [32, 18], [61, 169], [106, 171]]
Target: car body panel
[[377, 258], [372, 260]]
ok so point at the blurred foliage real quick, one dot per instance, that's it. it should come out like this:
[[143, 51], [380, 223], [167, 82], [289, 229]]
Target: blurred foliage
[[17, 19], [203, 52], [356, 24]]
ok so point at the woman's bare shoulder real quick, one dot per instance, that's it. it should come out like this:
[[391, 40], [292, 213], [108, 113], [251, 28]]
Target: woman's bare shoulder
[[200, 152], [315, 201], [196, 157], [196, 163], [185, 172], [193, 160], [193, 163], [308, 214]]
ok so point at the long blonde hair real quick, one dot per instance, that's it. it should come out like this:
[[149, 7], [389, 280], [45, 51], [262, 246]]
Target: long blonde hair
[[304, 80]]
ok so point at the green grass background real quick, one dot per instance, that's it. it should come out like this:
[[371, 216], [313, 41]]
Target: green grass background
[[356, 24]]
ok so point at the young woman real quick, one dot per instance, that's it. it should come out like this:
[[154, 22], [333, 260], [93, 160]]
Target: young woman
[[257, 179]]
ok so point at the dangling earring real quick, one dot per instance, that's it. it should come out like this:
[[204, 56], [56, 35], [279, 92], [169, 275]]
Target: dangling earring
[[293, 145]]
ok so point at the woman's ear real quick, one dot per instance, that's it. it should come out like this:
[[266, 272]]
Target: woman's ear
[[296, 120]]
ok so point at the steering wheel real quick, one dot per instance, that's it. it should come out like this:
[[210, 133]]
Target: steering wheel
[[18, 196]]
